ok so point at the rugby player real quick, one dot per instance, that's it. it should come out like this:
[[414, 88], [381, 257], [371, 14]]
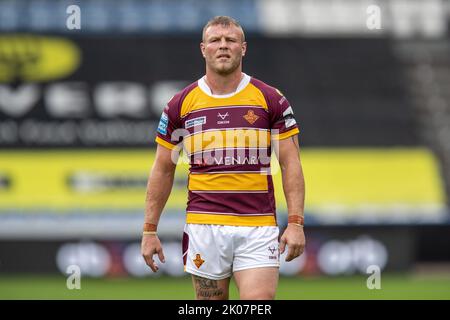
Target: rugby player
[[228, 123]]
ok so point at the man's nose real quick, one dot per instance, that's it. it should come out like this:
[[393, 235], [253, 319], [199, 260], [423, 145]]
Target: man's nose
[[223, 43]]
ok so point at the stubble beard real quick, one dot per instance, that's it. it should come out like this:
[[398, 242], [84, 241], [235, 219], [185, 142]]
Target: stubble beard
[[224, 69]]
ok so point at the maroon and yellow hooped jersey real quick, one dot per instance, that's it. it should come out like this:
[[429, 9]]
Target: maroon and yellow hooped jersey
[[228, 141]]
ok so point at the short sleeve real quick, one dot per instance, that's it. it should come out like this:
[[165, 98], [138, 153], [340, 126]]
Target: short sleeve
[[168, 124], [283, 123]]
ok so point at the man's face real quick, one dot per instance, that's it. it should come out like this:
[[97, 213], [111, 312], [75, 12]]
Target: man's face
[[223, 48]]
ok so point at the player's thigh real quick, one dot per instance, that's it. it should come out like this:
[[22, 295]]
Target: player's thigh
[[257, 283], [208, 289]]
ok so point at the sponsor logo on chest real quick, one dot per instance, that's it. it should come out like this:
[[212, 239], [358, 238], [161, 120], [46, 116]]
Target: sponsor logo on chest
[[195, 122], [223, 118]]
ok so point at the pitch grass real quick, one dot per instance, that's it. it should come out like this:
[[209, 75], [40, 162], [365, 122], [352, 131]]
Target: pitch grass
[[353, 287]]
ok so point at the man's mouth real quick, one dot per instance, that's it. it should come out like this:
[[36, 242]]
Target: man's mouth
[[223, 56]]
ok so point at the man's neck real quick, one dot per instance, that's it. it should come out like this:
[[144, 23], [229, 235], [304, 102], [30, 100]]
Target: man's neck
[[221, 85]]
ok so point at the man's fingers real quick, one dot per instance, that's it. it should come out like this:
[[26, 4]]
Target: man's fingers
[[291, 253], [301, 250], [161, 256], [295, 244], [149, 261], [282, 245]]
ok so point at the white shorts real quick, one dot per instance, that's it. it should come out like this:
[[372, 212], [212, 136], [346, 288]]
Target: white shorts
[[215, 251]]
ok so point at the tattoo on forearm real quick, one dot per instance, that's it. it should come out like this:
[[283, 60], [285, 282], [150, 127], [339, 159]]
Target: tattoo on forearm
[[207, 288]]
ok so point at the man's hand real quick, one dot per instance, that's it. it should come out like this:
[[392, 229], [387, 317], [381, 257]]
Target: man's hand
[[294, 237], [151, 245]]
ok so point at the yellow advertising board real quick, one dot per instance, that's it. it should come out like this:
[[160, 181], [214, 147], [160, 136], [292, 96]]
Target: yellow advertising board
[[116, 179]]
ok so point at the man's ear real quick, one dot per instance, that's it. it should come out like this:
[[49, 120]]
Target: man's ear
[[244, 48], [202, 49]]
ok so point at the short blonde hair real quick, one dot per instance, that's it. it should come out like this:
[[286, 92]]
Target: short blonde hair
[[223, 21]]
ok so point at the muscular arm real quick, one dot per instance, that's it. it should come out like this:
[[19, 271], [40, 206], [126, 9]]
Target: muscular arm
[[294, 191], [159, 186], [292, 175]]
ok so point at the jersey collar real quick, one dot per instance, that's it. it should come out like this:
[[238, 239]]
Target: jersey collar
[[204, 87]]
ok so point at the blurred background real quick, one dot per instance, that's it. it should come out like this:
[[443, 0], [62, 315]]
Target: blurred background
[[369, 82]]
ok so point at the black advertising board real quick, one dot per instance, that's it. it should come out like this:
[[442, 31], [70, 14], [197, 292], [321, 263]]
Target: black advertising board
[[60, 92]]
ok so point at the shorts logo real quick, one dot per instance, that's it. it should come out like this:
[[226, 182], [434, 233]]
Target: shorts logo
[[251, 117], [195, 122], [163, 122], [272, 255], [198, 261]]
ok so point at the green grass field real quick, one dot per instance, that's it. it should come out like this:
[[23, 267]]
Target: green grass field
[[354, 287]]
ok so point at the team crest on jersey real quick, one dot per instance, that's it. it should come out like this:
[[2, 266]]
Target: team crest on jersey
[[195, 122], [251, 117], [198, 260]]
